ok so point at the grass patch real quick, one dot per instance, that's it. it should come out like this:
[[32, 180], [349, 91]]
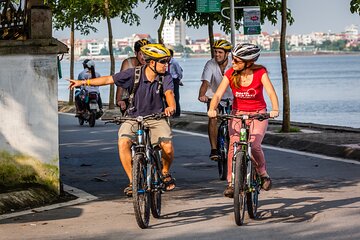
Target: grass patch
[[292, 130], [18, 169]]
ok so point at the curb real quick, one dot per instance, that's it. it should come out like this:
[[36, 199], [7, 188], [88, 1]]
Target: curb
[[32, 198]]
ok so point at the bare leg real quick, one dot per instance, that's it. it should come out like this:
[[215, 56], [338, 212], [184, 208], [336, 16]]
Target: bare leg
[[124, 145], [167, 155], [167, 159], [212, 131]]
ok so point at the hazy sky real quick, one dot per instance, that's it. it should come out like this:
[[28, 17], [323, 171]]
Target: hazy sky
[[309, 15]]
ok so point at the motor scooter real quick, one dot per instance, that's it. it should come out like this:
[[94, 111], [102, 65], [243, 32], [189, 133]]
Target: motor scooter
[[91, 109]]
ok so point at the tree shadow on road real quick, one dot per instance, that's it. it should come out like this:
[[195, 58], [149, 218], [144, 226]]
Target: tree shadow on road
[[293, 210]]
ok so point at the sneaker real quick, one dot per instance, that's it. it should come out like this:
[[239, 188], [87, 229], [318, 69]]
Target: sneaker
[[214, 155], [229, 192], [266, 183]]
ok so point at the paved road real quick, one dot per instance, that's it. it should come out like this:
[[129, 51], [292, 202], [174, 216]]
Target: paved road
[[313, 197]]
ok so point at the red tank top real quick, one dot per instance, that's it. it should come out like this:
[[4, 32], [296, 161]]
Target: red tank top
[[248, 98]]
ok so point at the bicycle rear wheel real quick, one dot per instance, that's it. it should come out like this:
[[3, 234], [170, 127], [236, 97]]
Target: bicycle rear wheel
[[223, 146], [141, 195], [239, 188], [252, 196]]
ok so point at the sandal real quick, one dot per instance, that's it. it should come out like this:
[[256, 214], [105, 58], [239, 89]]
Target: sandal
[[229, 192], [266, 183], [169, 182], [128, 190]]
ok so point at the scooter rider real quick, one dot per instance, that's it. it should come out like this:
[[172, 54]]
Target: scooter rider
[[87, 73]]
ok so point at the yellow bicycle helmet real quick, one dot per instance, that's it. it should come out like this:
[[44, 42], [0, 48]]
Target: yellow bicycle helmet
[[222, 44], [154, 52]]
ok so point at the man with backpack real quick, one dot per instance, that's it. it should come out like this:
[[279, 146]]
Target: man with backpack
[[152, 91]]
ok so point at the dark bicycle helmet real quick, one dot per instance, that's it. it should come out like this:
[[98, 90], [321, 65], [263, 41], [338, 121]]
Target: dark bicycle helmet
[[87, 63], [246, 52], [139, 43], [222, 44]]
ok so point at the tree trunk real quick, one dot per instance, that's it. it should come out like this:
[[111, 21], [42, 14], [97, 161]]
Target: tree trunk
[[211, 35], [72, 45], [111, 52], [285, 80], [159, 31]]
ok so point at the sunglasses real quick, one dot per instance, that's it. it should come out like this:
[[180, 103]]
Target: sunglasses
[[164, 61], [237, 60]]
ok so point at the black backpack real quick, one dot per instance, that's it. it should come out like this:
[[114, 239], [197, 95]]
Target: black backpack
[[138, 71]]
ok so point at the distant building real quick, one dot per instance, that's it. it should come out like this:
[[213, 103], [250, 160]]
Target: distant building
[[174, 32]]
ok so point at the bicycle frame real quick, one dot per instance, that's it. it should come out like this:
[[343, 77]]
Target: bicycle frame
[[244, 147]]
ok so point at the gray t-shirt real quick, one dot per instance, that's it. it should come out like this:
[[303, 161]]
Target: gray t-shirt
[[147, 99]]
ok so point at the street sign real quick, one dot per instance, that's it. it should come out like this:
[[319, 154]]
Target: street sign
[[252, 21], [206, 6]]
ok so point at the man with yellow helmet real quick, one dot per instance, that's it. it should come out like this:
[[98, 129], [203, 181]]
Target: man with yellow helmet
[[147, 100], [211, 77]]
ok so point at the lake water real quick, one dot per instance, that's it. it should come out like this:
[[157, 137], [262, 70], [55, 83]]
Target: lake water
[[323, 89]]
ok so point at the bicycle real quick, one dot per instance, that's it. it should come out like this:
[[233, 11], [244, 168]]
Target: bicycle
[[244, 179], [223, 139], [147, 174]]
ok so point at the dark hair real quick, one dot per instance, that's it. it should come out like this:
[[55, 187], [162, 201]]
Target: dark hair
[[171, 52], [87, 63]]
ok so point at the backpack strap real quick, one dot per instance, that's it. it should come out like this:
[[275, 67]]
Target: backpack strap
[[135, 87], [160, 90]]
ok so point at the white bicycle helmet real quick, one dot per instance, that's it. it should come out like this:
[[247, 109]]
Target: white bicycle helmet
[[246, 52]]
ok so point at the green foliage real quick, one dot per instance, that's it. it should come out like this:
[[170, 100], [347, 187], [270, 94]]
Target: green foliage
[[339, 45], [117, 8], [355, 6], [67, 12], [85, 52], [186, 9], [104, 51]]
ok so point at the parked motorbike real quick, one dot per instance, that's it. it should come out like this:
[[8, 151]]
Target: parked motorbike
[[91, 109]]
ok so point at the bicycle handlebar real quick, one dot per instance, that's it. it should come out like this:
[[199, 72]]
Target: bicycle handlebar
[[120, 119], [258, 116]]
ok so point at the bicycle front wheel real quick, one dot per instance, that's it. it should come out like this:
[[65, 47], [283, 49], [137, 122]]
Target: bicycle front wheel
[[156, 195], [239, 188], [141, 195], [252, 195]]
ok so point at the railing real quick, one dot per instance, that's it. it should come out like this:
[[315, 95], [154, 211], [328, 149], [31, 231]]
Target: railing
[[13, 16]]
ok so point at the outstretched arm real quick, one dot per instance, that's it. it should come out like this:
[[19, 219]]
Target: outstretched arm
[[106, 80]]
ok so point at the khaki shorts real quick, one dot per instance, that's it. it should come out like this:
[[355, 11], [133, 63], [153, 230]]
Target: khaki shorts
[[160, 130]]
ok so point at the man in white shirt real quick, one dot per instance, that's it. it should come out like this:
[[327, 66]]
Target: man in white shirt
[[211, 77]]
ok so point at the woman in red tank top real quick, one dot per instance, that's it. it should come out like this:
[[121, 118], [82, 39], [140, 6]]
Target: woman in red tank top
[[247, 81]]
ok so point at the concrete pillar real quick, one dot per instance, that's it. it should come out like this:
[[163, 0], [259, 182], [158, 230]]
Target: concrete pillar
[[29, 147]]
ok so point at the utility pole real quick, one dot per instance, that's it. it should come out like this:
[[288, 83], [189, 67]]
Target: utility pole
[[232, 21]]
